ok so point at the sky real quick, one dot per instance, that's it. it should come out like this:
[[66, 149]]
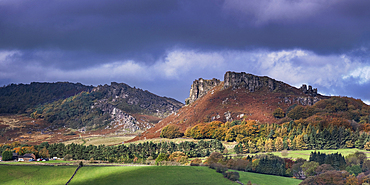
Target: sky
[[164, 45]]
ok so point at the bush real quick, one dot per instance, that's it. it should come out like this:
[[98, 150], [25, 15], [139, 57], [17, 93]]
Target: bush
[[195, 162], [234, 176], [171, 131], [218, 167], [278, 113], [175, 156], [179, 157], [161, 157], [214, 157]]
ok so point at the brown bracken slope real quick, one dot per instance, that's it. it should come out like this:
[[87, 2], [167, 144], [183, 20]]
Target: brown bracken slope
[[240, 103]]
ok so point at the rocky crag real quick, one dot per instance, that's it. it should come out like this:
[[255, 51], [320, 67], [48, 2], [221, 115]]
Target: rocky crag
[[123, 103], [201, 87], [249, 81], [253, 83], [134, 100], [239, 96]]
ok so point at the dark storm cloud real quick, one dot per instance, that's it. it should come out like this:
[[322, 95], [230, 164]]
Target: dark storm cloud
[[130, 28], [159, 43]]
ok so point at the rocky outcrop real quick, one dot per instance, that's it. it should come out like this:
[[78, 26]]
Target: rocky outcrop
[[249, 81], [134, 100], [300, 100], [309, 91], [200, 87], [121, 119]]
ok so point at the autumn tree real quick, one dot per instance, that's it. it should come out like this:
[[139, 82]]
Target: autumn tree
[[269, 145], [171, 131], [44, 153], [279, 144], [278, 113], [297, 112]]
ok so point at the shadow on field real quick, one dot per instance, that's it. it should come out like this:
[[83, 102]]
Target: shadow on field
[[148, 175]]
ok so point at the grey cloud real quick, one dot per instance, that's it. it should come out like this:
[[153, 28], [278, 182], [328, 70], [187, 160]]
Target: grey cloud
[[70, 35], [133, 27]]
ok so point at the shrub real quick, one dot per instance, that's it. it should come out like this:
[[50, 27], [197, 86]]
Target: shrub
[[179, 157], [161, 157], [175, 156], [214, 157], [171, 131], [218, 167], [195, 162], [234, 176], [278, 113]]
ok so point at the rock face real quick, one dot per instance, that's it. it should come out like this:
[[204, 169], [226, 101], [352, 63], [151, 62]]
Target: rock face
[[135, 100], [119, 118], [200, 87], [309, 91], [248, 81], [300, 100], [123, 102]]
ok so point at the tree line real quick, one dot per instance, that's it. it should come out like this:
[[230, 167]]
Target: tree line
[[120, 153]]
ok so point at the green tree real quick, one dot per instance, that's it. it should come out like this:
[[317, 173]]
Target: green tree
[[309, 168], [7, 155]]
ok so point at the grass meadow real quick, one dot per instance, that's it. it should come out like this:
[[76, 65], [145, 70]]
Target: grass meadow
[[30, 174], [149, 175], [305, 154], [145, 175], [262, 179]]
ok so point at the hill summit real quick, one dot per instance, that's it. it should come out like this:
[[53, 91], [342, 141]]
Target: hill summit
[[239, 95]]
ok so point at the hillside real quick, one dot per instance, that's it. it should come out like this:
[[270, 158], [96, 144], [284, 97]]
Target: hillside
[[246, 96], [22, 98], [115, 108]]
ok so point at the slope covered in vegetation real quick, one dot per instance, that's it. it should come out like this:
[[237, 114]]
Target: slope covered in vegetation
[[23, 98]]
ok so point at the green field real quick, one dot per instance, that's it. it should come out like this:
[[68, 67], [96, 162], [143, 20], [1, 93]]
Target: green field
[[27, 174], [149, 175], [305, 154], [145, 175], [262, 179]]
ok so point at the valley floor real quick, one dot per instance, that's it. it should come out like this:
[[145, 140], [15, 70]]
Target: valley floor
[[145, 175]]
